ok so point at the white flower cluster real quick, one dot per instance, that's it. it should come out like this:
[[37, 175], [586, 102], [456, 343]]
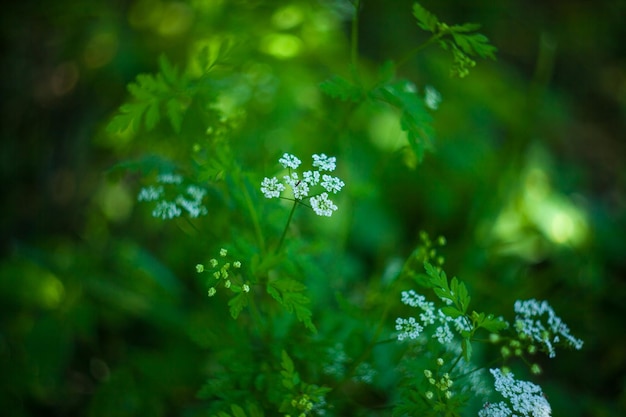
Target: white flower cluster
[[525, 398], [548, 333], [190, 200], [301, 187], [430, 315]]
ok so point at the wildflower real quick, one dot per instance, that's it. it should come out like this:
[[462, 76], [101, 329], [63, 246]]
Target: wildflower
[[166, 210], [322, 205], [432, 97], [169, 179], [271, 188], [301, 187], [495, 410], [547, 333], [213, 262], [324, 163], [332, 184], [443, 334], [311, 177], [150, 193], [408, 328], [200, 268], [524, 397], [223, 252], [212, 291], [289, 161], [190, 201], [246, 288], [237, 264]]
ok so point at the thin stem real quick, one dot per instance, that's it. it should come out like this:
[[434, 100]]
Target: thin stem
[[255, 218], [282, 238], [354, 41], [415, 50]]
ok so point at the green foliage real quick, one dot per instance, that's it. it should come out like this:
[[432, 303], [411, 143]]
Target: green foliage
[[326, 290], [167, 93], [338, 87], [461, 40]]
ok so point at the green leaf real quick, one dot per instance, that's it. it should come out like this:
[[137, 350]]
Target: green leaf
[[493, 324], [475, 44], [175, 114], [451, 312], [338, 87], [290, 377], [237, 411], [415, 119], [425, 19], [237, 304], [288, 293]]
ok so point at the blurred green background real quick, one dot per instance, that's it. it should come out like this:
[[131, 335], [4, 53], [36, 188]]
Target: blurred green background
[[99, 311]]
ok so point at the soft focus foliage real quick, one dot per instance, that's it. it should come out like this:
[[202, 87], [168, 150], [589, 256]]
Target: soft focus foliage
[[118, 222]]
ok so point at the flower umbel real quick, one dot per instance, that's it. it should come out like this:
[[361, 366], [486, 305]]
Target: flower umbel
[[524, 397], [302, 187], [537, 320], [188, 199]]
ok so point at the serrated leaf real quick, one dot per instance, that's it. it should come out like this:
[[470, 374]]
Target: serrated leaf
[[170, 74], [237, 411], [288, 293], [425, 19], [174, 114], [451, 312], [465, 27], [237, 304], [475, 44], [494, 324], [338, 87], [415, 119], [152, 116]]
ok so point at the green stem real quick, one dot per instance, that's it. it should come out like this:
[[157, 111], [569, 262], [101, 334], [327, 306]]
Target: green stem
[[282, 238], [354, 41], [255, 218], [415, 50]]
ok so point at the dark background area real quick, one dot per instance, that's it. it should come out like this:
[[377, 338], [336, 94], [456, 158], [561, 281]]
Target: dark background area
[[551, 109]]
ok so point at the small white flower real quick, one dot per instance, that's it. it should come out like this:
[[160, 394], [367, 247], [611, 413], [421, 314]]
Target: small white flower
[[525, 397], [322, 205], [246, 288], [150, 193], [289, 161], [223, 252], [432, 98], [311, 177], [408, 328], [495, 410], [443, 334], [332, 184], [531, 320], [166, 210], [194, 208], [271, 188], [413, 299], [324, 163], [169, 179], [196, 192]]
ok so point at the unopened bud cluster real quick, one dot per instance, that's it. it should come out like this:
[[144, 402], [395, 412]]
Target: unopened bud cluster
[[223, 272], [441, 384]]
